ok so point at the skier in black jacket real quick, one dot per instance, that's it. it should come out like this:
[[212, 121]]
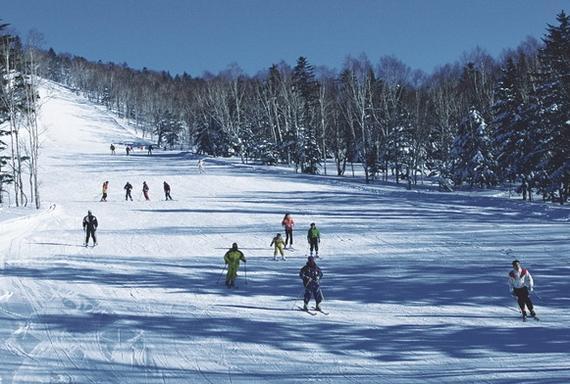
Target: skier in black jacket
[[128, 188], [90, 226], [311, 275]]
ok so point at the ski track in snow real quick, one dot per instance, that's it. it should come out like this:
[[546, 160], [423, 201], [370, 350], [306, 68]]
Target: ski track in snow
[[415, 282]]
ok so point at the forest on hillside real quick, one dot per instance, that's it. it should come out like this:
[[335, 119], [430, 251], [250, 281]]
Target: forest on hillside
[[478, 122]]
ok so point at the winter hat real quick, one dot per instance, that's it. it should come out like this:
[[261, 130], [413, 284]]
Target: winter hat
[[312, 224], [516, 262], [310, 258], [234, 246], [89, 212]]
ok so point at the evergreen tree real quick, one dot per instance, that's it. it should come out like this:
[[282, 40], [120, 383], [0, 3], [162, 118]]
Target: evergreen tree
[[472, 158], [305, 88], [509, 131], [550, 113]]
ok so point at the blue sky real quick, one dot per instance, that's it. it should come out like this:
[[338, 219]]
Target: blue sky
[[194, 36]]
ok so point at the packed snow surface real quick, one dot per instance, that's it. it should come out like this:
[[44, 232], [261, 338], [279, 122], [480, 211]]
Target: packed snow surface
[[415, 282]]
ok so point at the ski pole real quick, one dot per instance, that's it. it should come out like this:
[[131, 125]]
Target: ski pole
[[298, 298], [245, 270], [537, 295], [221, 274]]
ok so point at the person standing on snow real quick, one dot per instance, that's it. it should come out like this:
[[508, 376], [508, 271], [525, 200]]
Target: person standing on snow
[[288, 223], [90, 226], [128, 187], [279, 244], [201, 166], [128, 150], [105, 190], [311, 275], [232, 259], [112, 149], [314, 238], [520, 285], [167, 191], [145, 191]]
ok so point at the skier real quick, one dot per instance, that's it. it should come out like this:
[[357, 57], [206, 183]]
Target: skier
[[145, 191], [90, 226], [524, 188], [128, 150], [149, 148], [167, 191], [288, 223], [521, 284], [105, 190], [279, 244], [311, 275], [112, 149], [127, 189], [232, 259], [201, 166], [314, 238]]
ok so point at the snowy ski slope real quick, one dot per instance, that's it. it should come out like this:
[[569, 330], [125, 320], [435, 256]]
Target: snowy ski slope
[[415, 282]]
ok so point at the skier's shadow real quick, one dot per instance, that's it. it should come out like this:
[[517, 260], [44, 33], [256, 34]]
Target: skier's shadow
[[60, 244]]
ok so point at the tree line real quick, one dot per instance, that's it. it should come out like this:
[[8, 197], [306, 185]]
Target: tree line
[[19, 131], [478, 122]]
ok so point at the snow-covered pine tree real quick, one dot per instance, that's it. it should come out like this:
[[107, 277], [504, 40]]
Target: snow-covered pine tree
[[306, 88], [168, 129], [508, 130], [472, 159], [552, 110]]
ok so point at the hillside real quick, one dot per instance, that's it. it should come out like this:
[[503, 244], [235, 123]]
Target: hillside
[[414, 282]]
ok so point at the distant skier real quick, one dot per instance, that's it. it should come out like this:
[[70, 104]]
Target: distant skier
[[145, 190], [279, 244], [524, 188], [167, 191], [201, 166], [105, 190], [112, 149], [90, 226], [232, 259], [128, 187], [311, 275], [314, 238], [149, 150], [288, 223], [128, 150], [521, 284]]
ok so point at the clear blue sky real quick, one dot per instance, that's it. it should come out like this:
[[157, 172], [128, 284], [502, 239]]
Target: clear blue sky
[[194, 36]]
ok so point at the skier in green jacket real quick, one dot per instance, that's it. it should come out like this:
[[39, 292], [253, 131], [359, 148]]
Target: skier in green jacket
[[314, 238], [232, 259]]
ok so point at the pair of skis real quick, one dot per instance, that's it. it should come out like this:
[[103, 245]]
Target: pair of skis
[[532, 317], [313, 311]]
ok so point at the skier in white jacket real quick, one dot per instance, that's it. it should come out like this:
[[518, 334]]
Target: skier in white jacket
[[521, 284]]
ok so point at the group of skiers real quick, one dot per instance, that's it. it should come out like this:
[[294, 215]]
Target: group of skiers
[[310, 274], [129, 187], [520, 281]]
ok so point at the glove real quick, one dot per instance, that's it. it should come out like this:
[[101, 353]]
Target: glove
[[531, 289]]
